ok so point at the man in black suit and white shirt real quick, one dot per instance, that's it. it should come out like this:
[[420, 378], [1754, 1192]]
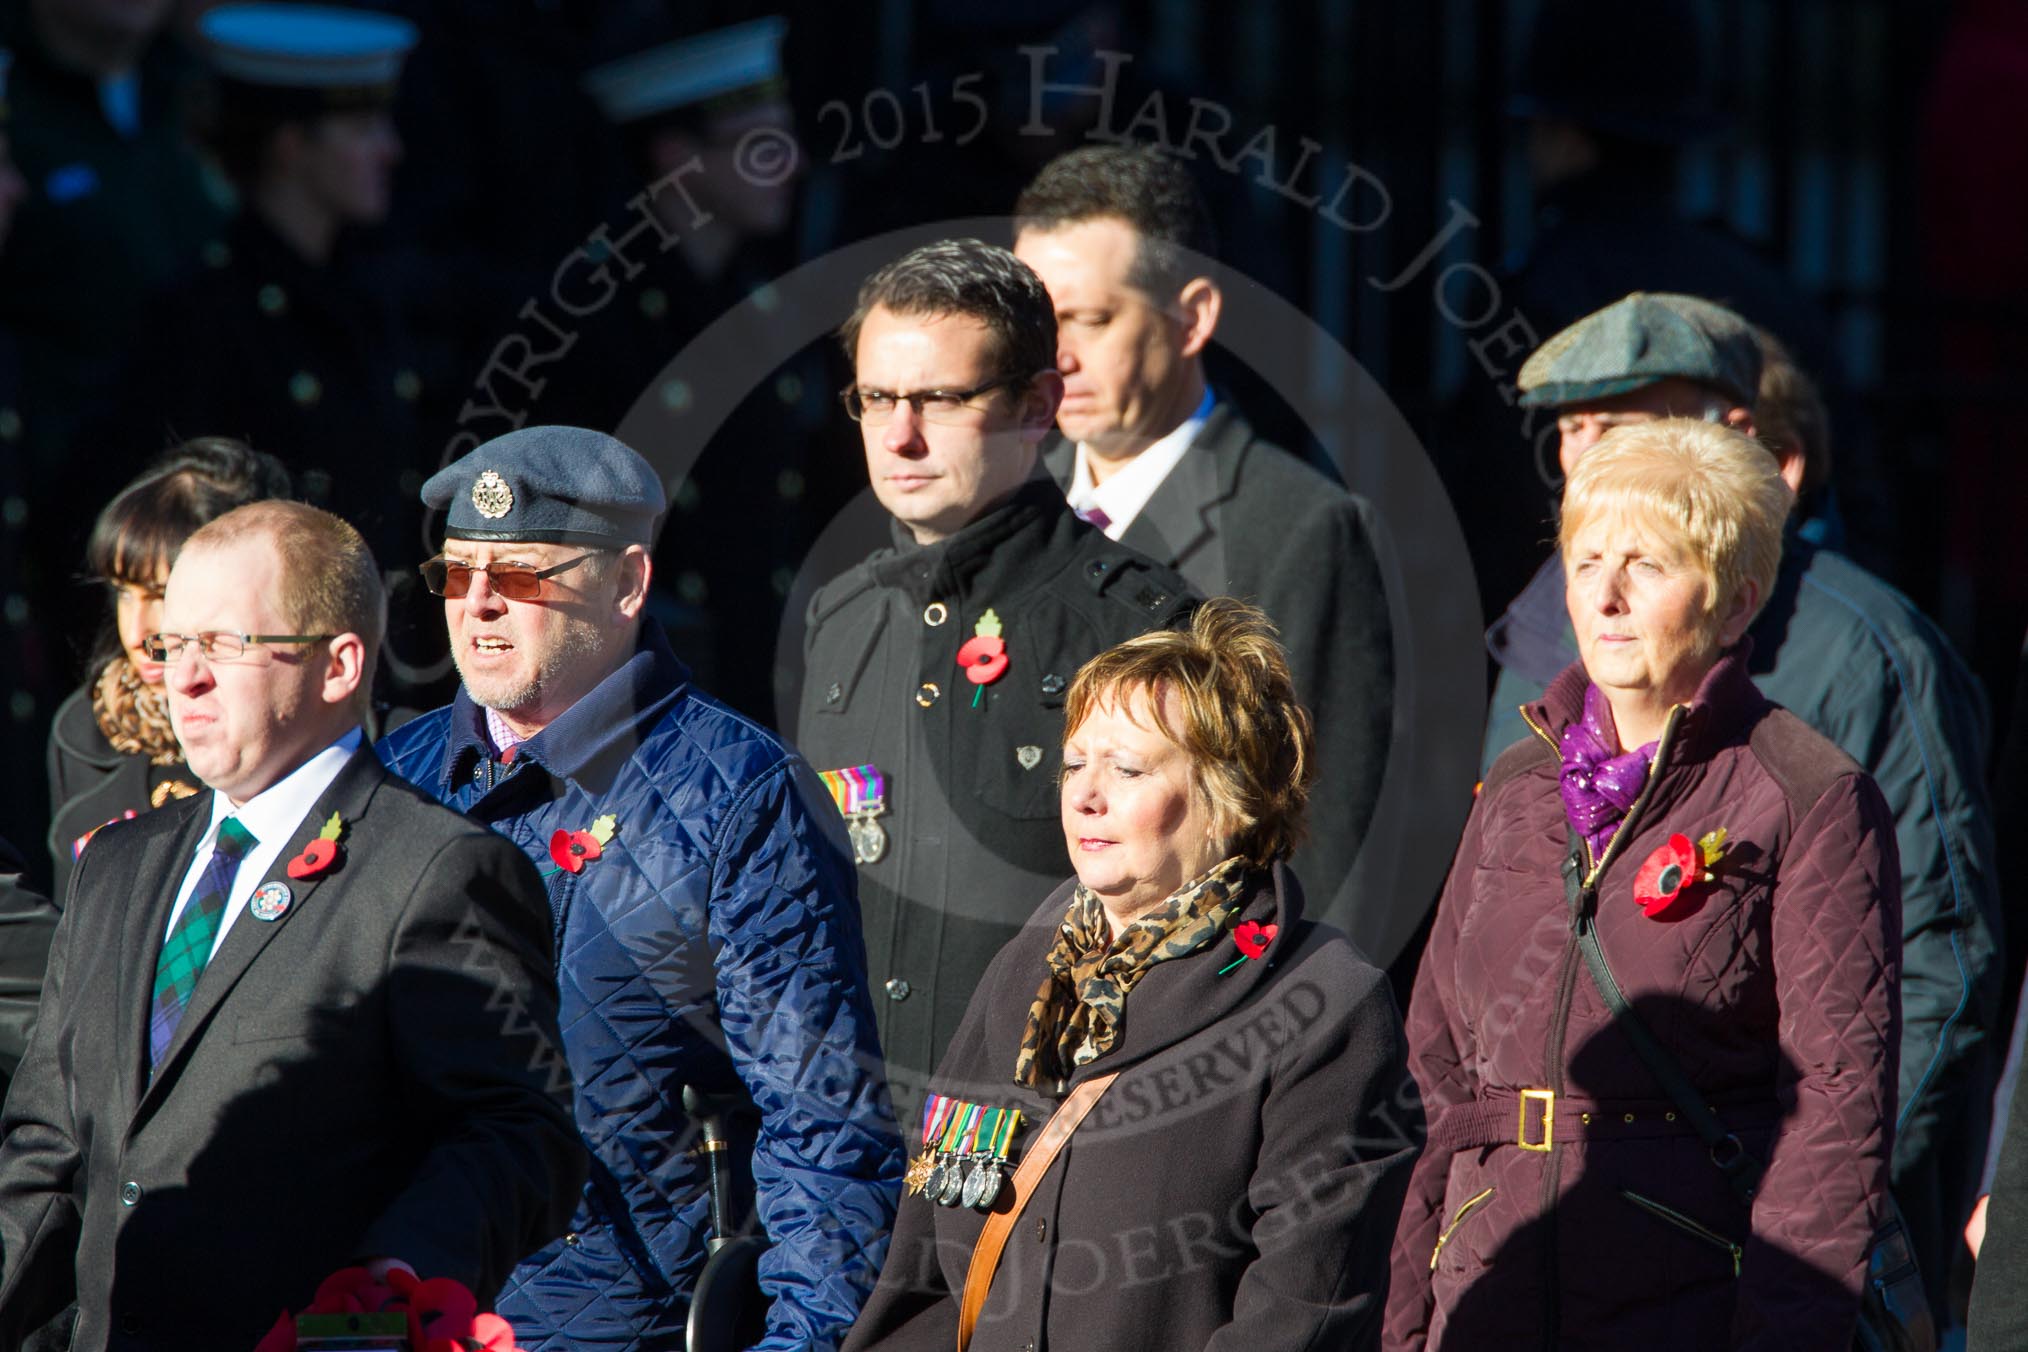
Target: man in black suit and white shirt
[[302, 1021], [1157, 461]]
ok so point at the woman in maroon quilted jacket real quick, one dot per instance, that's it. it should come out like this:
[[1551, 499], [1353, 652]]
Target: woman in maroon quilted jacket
[[1739, 875]]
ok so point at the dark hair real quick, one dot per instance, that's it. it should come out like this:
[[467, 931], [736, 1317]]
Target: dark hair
[[140, 532], [1143, 187], [966, 277], [1789, 412]]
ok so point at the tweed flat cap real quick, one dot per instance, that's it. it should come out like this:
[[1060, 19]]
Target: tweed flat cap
[[550, 485], [1638, 340]]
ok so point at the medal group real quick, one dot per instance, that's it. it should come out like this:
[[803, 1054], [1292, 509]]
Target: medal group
[[964, 1153], [861, 795]]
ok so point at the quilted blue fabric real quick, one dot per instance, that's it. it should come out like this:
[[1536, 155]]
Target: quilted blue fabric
[[714, 941]]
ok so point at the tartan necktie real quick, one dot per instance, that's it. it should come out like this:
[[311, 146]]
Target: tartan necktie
[[188, 947]]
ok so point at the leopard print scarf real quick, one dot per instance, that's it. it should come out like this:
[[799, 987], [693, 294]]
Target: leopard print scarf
[[1080, 1010], [133, 715]]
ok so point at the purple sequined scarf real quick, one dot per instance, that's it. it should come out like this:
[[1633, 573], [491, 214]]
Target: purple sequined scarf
[[1598, 786]]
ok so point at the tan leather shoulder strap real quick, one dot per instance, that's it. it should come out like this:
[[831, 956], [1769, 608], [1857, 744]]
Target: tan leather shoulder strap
[[993, 1239]]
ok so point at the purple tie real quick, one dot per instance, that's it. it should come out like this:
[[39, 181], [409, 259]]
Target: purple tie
[[1097, 516]]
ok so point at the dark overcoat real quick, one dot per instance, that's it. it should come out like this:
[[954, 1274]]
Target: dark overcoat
[[1563, 1204], [373, 1073], [973, 830], [90, 784], [1240, 516], [1237, 1187]]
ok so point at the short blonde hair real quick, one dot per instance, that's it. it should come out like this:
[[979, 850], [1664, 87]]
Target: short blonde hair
[[329, 581], [1718, 492], [1247, 735]]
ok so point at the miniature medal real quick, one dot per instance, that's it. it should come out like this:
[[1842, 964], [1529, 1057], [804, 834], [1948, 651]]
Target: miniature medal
[[982, 1189], [975, 1182], [869, 840], [954, 1183]]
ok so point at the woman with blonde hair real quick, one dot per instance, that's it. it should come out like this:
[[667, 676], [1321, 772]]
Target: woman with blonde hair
[[1175, 1114], [1656, 1025]]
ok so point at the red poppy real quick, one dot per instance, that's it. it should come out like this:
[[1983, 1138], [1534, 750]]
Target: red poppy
[[444, 1307], [572, 850], [317, 856], [1254, 937], [984, 658], [1666, 875]]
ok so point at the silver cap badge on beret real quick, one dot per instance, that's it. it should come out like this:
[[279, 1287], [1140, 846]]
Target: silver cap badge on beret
[[492, 496]]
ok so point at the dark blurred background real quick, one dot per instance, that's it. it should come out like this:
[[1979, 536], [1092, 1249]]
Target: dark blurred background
[[1847, 172]]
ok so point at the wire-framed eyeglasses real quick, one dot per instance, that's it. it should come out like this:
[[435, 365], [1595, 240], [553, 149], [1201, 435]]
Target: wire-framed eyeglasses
[[875, 407], [218, 645], [452, 578]]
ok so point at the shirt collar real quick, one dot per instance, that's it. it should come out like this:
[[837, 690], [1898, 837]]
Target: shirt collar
[[605, 721], [1123, 496], [273, 813]]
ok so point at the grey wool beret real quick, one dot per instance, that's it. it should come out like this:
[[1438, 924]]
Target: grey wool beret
[[550, 485]]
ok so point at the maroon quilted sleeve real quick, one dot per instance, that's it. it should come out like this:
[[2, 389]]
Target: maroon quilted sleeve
[[1439, 1059], [1837, 965]]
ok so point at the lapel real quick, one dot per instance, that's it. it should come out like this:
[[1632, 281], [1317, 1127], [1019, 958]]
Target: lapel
[[349, 795], [1181, 521], [165, 857]]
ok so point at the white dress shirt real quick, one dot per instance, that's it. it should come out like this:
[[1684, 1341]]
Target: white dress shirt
[[1122, 497], [273, 816]]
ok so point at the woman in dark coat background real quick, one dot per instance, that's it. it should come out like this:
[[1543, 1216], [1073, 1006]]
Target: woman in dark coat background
[[1746, 901], [111, 752], [1237, 1187]]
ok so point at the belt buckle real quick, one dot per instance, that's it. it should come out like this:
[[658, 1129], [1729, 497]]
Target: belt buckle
[[1547, 1097]]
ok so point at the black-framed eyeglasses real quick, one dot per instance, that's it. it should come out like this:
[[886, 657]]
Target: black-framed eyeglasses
[[218, 645], [452, 578], [937, 406]]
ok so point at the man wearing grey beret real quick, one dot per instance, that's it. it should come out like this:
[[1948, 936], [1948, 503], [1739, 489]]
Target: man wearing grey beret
[[706, 912]]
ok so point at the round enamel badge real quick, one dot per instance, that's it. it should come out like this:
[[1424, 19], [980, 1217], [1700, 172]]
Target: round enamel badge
[[270, 901], [491, 495]]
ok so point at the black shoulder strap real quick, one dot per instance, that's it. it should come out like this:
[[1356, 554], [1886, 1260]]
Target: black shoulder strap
[[1741, 1170]]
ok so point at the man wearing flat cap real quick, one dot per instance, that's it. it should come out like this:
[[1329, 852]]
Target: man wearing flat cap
[[1856, 660], [705, 912]]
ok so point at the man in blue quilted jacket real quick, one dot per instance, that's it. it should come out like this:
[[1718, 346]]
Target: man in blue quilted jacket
[[707, 924]]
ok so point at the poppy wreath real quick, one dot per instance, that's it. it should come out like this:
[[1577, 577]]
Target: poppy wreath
[[439, 1315], [1679, 864]]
